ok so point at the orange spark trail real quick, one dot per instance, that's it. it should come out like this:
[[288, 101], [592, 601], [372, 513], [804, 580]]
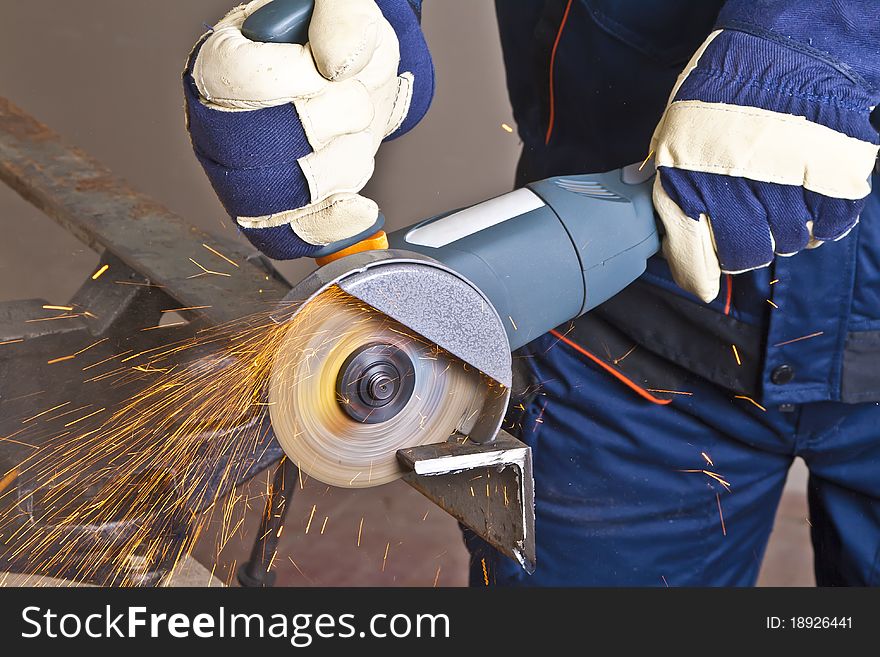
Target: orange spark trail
[[803, 337], [721, 514], [749, 399]]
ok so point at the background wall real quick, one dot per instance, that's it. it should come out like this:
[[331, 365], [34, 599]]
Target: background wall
[[105, 74]]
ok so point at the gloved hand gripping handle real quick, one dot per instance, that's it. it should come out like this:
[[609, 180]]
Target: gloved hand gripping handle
[[287, 21], [543, 254]]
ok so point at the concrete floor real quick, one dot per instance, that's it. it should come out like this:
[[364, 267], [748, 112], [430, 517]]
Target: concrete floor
[[105, 74]]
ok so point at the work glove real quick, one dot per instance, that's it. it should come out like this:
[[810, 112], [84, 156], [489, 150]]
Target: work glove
[[764, 149], [288, 133]]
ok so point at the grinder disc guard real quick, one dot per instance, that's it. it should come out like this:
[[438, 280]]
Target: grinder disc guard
[[350, 387]]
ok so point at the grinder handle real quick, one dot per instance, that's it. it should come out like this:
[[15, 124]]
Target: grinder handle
[[287, 21], [280, 21]]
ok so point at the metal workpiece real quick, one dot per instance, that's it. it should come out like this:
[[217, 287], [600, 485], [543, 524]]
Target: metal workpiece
[[105, 213], [488, 488]]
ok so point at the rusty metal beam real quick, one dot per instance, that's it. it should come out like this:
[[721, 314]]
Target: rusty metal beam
[[105, 213]]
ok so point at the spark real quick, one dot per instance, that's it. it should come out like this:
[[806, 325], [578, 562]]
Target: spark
[[180, 310], [164, 326], [360, 531], [749, 399], [50, 319], [506, 127], [7, 480], [774, 281], [147, 369], [311, 515], [100, 272], [140, 464], [139, 284], [616, 361], [299, 570], [713, 475], [385, 558], [670, 392], [512, 323], [49, 410], [437, 576], [59, 360], [85, 417], [220, 255], [803, 337], [717, 478], [485, 572], [736, 354], [425, 517], [205, 271], [772, 304], [9, 439], [11, 341], [63, 308], [708, 460], [650, 155], [721, 514], [74, 355], [94, 344]]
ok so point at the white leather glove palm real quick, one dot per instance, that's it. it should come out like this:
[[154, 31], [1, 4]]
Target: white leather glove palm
[[348, 96]]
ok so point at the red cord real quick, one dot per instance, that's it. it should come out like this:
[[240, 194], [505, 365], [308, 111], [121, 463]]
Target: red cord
[[729, 294], [620, 376], [552, 65]]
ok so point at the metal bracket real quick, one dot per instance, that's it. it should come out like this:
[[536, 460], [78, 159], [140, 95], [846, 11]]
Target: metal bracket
[[487, 487]]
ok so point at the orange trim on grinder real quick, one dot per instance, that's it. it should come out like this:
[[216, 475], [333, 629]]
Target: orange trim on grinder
[[620, 376], [375, 242]]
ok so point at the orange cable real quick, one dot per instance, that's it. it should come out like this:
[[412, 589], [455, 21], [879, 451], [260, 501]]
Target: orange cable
[[552, 65], [620, 376]]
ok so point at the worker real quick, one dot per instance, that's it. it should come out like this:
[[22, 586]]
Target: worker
[[663, 424]]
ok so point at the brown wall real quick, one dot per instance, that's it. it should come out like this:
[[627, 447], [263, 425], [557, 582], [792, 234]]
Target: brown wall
[[105, 74]]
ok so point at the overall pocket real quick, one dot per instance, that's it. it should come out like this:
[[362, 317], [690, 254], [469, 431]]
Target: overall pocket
[[668, 31]]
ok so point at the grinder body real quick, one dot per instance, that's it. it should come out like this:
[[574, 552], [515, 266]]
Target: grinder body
[[548, 252]]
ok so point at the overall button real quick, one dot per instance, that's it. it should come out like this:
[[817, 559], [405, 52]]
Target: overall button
[[786, 408], [782, 375]]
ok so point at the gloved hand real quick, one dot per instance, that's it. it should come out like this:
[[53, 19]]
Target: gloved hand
[[765, 148], [288, 133]]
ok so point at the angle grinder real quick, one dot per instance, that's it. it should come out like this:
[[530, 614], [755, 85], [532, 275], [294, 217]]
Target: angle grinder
[[406, 340]]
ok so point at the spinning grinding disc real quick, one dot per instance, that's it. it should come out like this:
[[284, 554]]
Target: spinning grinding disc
[[350, 387]]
